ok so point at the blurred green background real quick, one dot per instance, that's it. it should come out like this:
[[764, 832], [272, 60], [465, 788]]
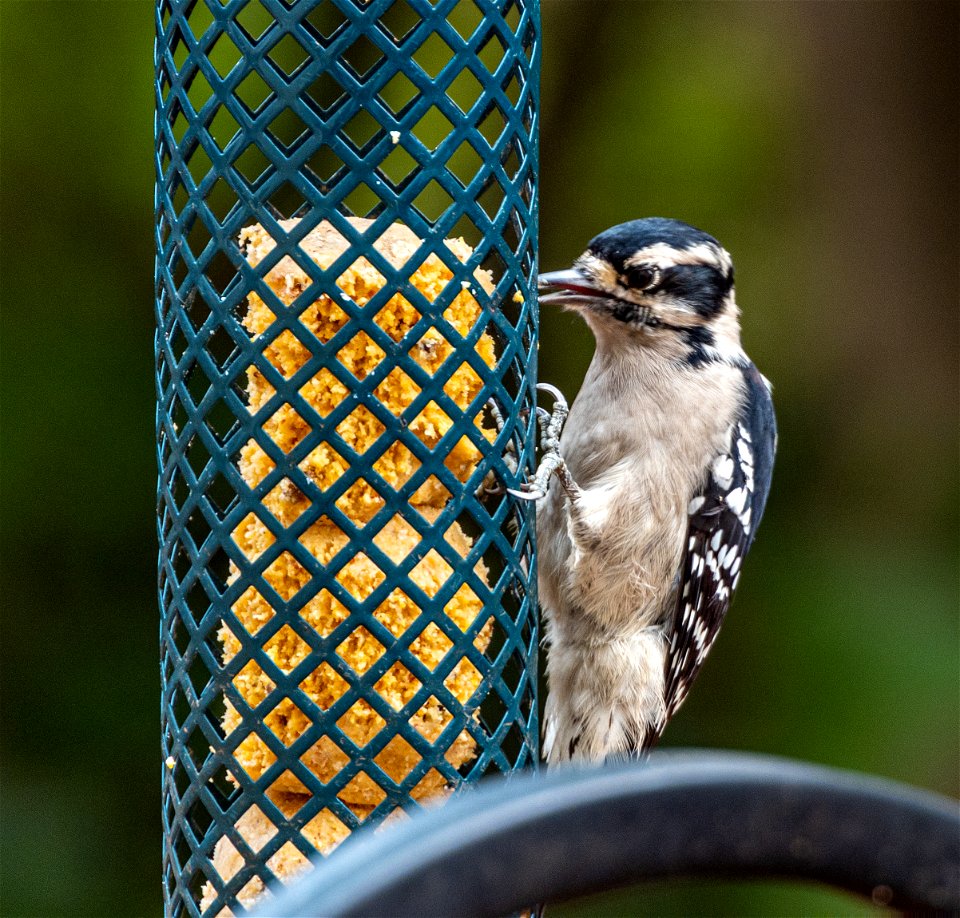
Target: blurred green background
[[817, 141]]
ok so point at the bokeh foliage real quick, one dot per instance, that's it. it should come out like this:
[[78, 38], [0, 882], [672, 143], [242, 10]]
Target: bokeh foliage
[[817, 141]]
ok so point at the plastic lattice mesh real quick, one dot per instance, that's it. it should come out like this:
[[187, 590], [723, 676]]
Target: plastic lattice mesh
[[346, 257]]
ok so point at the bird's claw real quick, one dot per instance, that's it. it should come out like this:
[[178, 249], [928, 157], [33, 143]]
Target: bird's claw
[[551, 424]]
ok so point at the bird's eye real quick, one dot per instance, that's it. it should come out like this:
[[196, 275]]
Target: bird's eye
[[642, 277]]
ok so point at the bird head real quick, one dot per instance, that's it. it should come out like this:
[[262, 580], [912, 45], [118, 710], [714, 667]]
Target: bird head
[[655, 281]]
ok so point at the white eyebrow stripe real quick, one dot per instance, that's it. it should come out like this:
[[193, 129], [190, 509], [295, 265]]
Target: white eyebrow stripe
[[662, 255]]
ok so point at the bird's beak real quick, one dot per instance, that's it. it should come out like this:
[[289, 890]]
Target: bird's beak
[[567, 288]]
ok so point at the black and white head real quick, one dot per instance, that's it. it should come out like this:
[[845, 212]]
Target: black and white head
[[658, 282]]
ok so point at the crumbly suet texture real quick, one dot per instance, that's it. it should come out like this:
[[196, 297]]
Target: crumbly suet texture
[[359, 357], [324, 392]]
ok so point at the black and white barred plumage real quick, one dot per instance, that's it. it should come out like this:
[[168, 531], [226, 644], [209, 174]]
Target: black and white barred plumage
[[723, 520], [652, 496]]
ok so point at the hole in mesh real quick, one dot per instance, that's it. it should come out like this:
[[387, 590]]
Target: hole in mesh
[[287, 649], [433, 128], [397, 612], [398, 758], [433, 55], [200, 819], [492, 52], [431, 785], [286, 428], [253, 611], [287, 722], [253, 92], [360, 429], [224, 55], [361, 201], [199, 93], [463, 681], [361, 723], [324, 392], [325, 686], [255, 829], [492, 126], [286, 201], [223, 128], [433, 492], [399, 20], [220, 271], [397, 686], [198, 672], [431, 424], [287, 353], [181, 708], [325, 166], [220, 421], [397, 317], [179, 129], [360, 649], [431, 719], [253, 684], [325, 92], [198, 748], [328, 828], [218, 567], [431, 646], [465, 90], [325, 21], [286, 502], [200, 19], [398, 94], [362, 128], [288, 863], [287, 576], [182, 850], [397, 391], [178, 49], [362, 56], [252, 165], [463, 609], [464, 385], [491, 199], [288, 130], [433, 201], [254, 19], [465, 163], [361, 793], [325, 759], [397, 166], [513, 90], [360, 502], [197, 456], [288, 55], [395, 538], [198, 238], [465, 17], [254, 755]]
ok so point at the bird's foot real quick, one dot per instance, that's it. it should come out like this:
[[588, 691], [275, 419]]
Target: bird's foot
[[491, 486], [552, 462]]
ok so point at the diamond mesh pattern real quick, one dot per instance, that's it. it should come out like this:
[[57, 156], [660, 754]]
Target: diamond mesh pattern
[[348, 615]]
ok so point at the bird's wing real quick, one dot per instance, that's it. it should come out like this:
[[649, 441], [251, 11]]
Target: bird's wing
[[723, 520]]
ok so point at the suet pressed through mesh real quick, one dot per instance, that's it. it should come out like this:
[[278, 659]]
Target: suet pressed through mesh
[[324, 466]]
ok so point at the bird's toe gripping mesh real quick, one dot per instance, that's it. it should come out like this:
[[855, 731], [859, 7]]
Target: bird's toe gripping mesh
[[346, 238]]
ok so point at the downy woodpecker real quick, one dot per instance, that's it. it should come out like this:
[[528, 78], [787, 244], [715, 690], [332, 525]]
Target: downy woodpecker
[[652, 495]]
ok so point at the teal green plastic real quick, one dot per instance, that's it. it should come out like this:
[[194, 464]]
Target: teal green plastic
[[400, 111]]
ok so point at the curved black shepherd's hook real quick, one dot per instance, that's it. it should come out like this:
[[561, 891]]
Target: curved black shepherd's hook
[[575, 831]]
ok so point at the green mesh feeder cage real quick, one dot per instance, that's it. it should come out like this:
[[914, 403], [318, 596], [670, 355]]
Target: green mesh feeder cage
[[346, 220]]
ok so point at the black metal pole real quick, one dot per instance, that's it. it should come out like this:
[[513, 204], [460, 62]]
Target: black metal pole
[[573, 832]]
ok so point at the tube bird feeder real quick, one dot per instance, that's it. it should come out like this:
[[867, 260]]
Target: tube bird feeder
[[346, 237]]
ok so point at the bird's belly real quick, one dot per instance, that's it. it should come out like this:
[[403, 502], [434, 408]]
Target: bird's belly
[[614, 572]]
